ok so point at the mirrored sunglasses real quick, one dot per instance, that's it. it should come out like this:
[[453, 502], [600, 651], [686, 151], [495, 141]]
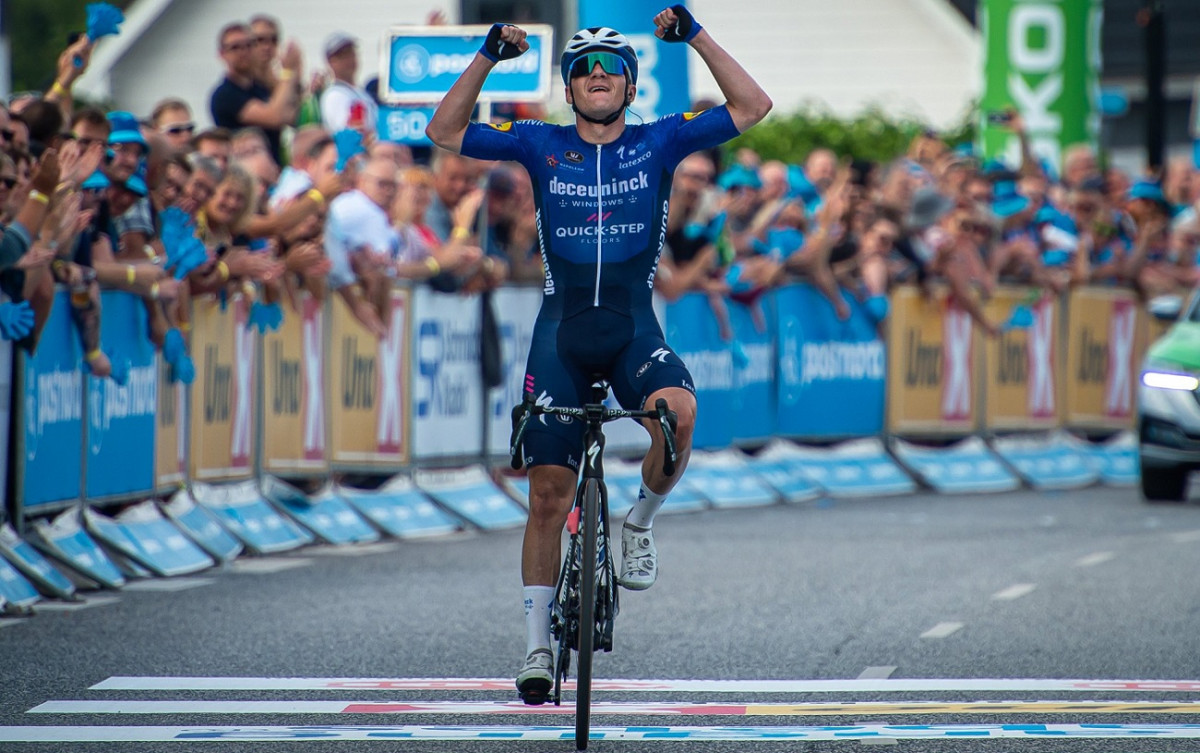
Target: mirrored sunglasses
[[176, 128], [609, 63]]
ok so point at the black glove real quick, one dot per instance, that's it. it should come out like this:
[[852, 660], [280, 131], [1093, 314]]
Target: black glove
[[685, 26], [496, 49]]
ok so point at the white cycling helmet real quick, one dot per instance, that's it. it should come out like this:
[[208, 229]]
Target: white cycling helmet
[[599, 39]]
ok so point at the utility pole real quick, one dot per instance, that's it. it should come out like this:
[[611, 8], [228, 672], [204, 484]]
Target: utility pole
[[1150, 18]]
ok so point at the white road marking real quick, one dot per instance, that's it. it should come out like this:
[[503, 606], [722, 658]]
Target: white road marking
[[1186, 537], [651, 686], [267, 566], [75, 606], [1093, 559], [1014, 592], [876, 673], [942, 629], [357, 550], [297, 735], [168, 584]]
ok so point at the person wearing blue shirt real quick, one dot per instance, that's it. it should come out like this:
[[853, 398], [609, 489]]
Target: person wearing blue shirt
[[601, 189]]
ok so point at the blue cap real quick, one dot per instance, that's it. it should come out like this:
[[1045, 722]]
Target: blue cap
[[739, 175], [125, 129], [1006, 201], [1150, 190], [96, 181]]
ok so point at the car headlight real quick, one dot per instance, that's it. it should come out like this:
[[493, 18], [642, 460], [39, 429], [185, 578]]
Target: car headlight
[[1168, 380]]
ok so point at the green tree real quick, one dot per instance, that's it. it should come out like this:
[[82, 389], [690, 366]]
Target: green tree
[[37, 32], [873, 135]]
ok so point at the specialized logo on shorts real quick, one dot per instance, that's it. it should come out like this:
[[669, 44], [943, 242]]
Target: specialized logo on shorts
[[642, 369], [502, 126], [551, 160], [573, 156]]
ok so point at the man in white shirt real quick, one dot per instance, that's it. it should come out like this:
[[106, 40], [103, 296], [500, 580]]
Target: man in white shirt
[[343, 104]]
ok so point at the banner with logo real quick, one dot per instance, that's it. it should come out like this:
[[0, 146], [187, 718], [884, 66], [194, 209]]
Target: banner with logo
[[1023, 366], [692, 331], [1041, 58], [932, 347], [419, 64], [1105, 341], [754, 415], [120, 431], [830, 374], [294, 435], [223, 395], [52, 413], [447, 387], [170, 431], [662, 86], [6, 406], [368, 390], [516, 309]]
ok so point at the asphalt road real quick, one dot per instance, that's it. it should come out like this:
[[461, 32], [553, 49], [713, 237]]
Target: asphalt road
[[1088, 585]]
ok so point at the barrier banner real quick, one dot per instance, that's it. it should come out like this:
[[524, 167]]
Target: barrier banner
[[516, 309], [931, 381], [367, 423], [830, 374], [447, 398], [64, 541], [223, 395], [6, 407], [170, 431], [691, 329], [121, 422], [753, 420], [1022, 367], [1105, 342], [294, 436], [53, 413], [400, 508]]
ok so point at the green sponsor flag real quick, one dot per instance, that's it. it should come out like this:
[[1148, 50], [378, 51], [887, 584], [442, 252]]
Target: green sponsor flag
[[1041, 58]]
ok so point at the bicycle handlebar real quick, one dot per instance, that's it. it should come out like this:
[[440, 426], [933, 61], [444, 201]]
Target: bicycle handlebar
[[527, 409]]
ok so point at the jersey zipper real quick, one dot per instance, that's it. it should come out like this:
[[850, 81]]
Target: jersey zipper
[[599, 224]]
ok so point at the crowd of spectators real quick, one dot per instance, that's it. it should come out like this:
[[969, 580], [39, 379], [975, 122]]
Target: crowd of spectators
[[290, 193]]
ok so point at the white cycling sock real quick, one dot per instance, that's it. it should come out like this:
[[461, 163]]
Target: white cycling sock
[[537, 616], [646, 507]]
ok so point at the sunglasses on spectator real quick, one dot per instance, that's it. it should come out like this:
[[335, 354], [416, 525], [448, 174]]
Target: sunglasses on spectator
[[177, 128], [706, 177], [608, 62], [269, 39], [7, 133], [241, 46], [8, 181]]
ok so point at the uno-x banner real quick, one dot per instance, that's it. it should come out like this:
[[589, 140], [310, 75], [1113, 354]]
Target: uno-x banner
[[1022, 367], [294, 389], [662, 68], [223, 395], [1043, 58]]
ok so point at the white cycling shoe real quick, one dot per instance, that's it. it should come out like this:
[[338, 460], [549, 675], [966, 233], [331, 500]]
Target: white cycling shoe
[[536, 677], [639, 558]]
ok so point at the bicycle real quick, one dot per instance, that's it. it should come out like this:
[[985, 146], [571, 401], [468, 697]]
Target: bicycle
[[585, 599]]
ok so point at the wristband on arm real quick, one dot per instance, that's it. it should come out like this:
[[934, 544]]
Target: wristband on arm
[[496, 49], [685, 28]]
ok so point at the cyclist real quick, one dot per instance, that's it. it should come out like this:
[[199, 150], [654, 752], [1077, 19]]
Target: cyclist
[[601, 189]]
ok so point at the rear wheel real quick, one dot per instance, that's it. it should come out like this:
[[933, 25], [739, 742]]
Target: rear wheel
[[587, 612], [1164, 484]]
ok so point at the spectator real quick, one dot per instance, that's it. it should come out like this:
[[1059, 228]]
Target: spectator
[[1079, 165], [249, 148], [201, 184], [216, 144], [1104, 244], [343, 104], [240, 100], [454, 177], [173, 119], [266, 33], [413, 199], [512, 222], [400, 154], [1156, 265]]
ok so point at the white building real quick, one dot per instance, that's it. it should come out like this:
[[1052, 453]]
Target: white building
[[912, 57]]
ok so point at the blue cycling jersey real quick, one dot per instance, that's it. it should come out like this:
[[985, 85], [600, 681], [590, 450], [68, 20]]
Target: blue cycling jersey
[[601, 209]]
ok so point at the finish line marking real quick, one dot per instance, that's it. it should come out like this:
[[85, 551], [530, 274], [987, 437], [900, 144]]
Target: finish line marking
[[861, 732], [651, 686], [858, 708]]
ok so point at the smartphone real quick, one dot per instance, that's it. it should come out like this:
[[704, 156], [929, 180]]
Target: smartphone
[[1003, 117]]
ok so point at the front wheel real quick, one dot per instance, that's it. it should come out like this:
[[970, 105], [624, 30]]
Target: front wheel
[[586, 642]]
